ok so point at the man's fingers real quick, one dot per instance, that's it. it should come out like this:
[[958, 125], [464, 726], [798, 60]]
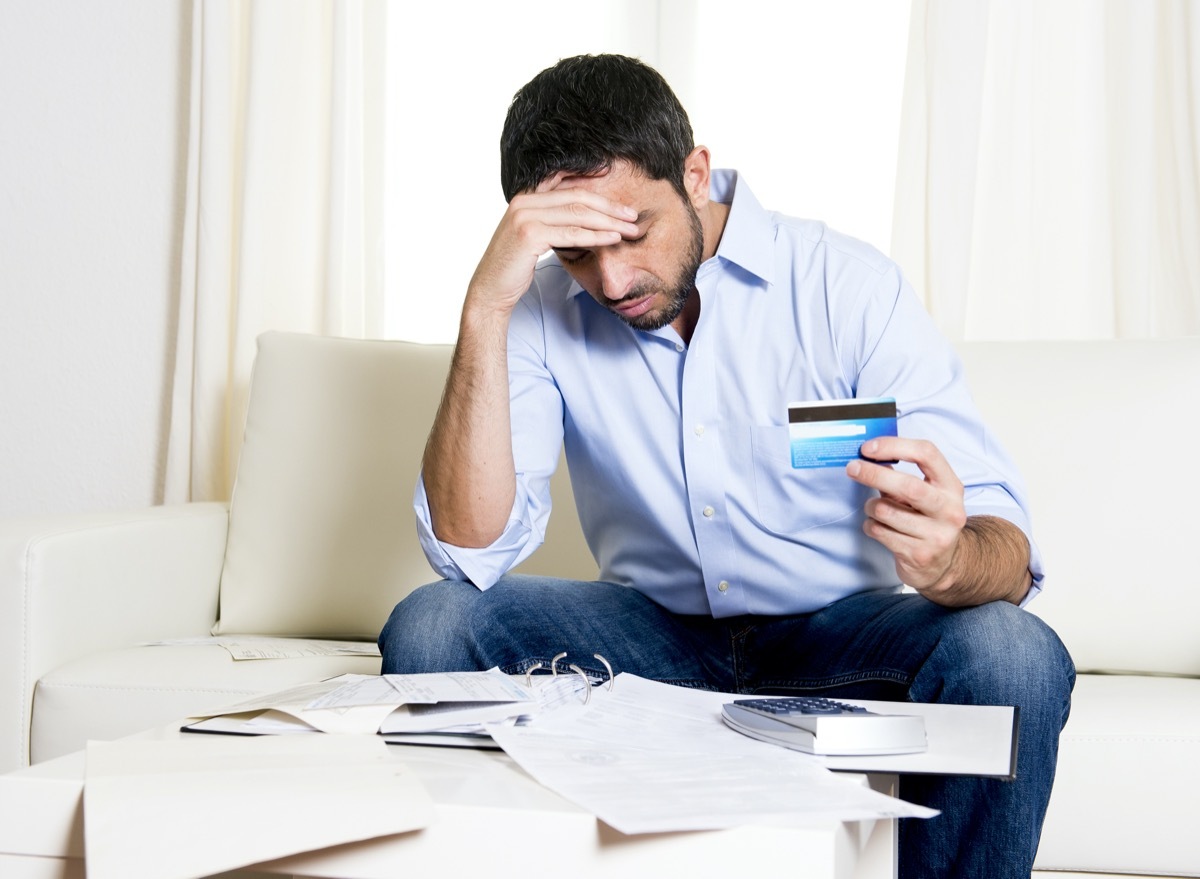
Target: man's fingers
[[926, 495], [923, 548], [905, 487], [576, 216], [585, 198], [568, 225], [896, 517], [923, 497], [923, 453], [550, 182]]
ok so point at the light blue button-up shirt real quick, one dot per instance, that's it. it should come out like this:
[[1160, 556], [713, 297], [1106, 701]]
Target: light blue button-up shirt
[[679, 454]]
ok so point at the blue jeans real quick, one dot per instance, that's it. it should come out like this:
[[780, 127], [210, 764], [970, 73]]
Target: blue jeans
[[873, 645]]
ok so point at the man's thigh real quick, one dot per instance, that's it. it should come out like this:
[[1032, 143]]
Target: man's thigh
[[522, 621]]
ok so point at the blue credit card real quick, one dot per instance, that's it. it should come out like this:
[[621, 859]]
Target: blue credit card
[[829, 433]]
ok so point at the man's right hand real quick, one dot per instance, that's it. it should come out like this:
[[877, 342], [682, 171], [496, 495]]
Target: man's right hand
[[551, 216]]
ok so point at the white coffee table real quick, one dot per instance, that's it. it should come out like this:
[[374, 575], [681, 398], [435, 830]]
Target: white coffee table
[[492, 820]]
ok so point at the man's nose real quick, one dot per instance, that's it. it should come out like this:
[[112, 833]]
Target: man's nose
[[616, 275]]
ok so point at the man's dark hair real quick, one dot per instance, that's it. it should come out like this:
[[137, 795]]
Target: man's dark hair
[[585, 113]]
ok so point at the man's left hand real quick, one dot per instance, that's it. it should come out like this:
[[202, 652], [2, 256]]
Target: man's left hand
[[919, 520], [947, 557]]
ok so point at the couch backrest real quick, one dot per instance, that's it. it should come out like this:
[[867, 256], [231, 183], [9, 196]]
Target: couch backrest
[[1105, 434], [320, 526], [321, 536]]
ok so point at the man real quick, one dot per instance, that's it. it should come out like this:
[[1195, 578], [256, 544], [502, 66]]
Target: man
[[662, 342]]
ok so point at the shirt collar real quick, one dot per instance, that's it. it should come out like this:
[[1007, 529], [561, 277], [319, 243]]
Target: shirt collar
[[748, 240]]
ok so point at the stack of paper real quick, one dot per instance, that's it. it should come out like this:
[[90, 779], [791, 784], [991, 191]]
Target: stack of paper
[[446, 703]]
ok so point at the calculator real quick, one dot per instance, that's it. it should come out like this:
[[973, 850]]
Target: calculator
[[788, 707], [818, 725]]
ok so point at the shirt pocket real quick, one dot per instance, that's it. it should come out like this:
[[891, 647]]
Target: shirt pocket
[[789, 500]]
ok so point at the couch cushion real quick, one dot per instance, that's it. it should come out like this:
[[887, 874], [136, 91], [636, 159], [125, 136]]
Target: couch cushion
[[120, 692], [1129, 761], [322, 534], [1101, 432]]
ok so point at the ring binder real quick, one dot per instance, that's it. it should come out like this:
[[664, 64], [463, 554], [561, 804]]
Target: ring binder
[[587, 690], [608, 668]]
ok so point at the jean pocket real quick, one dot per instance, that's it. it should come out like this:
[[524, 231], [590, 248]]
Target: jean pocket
[[790, 500]]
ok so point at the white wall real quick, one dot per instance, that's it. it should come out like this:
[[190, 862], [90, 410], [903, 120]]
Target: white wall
[[93, 108]]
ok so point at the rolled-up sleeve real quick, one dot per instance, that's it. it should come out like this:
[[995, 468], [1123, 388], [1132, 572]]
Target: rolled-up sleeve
[[535, 407], [482, 566]]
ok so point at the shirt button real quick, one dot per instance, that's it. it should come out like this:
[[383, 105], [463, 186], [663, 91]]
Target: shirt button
[[723, 586], [698, 430], [679, 347], [708, 512]]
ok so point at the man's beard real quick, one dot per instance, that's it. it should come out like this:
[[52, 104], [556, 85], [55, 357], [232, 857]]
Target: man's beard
[[677, 292]]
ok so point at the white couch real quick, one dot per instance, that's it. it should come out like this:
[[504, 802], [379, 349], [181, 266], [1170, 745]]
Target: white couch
[[318, 543]]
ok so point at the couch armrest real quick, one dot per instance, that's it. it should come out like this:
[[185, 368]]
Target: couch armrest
[[73, 585]]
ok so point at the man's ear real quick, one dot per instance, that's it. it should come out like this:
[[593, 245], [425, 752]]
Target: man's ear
[[696, 172]]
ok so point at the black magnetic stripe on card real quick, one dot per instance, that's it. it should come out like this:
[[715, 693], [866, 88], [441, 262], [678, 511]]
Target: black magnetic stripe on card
[[841, 412]]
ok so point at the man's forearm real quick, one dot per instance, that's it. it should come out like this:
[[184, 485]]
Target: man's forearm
[[468, 469], [991, 563], [468, 466]]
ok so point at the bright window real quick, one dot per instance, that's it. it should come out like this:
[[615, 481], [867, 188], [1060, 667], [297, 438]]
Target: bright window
[[803, 97]]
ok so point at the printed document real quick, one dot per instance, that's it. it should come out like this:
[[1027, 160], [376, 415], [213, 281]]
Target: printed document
[[648, 757], [250, 647]]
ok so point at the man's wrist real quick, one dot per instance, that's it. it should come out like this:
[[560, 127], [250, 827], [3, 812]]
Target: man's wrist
[[990, 563], [480, 314]]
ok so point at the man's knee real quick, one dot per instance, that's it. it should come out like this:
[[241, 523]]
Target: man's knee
[[1000, 654], [423, 632], [453, 626]]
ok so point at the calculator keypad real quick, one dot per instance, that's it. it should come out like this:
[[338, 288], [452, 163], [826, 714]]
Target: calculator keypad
[[789, 705]]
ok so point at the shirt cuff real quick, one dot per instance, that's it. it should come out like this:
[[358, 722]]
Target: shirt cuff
[[481, 566], [1035, 568]]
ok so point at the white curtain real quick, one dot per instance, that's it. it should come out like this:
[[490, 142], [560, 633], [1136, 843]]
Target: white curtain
[[283, 227], [1049, 167]]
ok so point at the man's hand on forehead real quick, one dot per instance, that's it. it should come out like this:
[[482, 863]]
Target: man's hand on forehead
[[573, 215], [560, 214], [576, 186]]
